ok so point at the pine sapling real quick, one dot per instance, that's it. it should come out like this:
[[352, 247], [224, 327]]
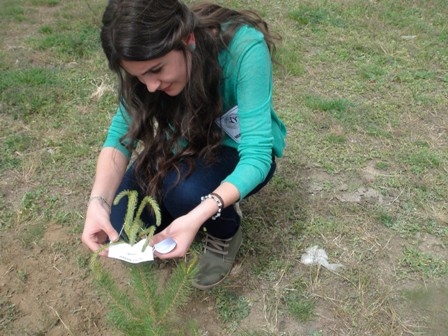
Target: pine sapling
[[148, 307]]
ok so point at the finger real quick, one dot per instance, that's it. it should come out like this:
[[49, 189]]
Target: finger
[[90, 242], [111, 233], [94, 241], [157, 238], [163, 255], [104, 253], [176, 253], [92, 246]]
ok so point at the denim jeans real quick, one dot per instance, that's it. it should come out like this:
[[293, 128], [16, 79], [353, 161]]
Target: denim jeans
[[178, 199]]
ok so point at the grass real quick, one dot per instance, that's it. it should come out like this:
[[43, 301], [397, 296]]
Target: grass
[[231, 307], [363, 94]]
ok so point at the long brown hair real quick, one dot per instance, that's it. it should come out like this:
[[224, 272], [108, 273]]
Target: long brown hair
[[176, 129]]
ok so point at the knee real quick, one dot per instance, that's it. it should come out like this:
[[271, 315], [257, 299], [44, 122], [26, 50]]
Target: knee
[[184, 192]]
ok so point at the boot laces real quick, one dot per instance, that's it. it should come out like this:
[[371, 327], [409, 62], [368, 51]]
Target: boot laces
[[217, 245]]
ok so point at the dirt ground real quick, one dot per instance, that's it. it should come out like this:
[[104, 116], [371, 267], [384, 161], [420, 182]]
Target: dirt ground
[[46, 287]]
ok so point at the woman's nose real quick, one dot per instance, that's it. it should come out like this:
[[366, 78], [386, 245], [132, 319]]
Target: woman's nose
[[152, 84]]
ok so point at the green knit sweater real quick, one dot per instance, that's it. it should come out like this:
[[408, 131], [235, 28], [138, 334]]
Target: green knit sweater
[[249, 120]]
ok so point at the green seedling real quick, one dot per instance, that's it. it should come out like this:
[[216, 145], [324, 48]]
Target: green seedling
[[133, 227], [149, 306]]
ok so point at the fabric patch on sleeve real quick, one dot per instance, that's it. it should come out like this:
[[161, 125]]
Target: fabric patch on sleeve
[[230, 124]]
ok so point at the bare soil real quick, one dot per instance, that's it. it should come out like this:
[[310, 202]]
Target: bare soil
[[46, 287]]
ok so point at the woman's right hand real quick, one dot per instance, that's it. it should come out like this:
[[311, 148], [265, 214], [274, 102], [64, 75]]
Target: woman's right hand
[[110, 169], [97, 227]]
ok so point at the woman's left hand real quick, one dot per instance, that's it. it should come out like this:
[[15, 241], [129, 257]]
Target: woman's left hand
[[182, 230]]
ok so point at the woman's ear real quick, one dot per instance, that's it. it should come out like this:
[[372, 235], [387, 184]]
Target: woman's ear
[[190, 42]]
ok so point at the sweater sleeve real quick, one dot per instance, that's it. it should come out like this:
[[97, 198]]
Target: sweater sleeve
[[117, 129], [253, 92]]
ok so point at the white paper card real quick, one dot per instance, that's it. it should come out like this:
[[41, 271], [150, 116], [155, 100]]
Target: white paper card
[[131, 254], [230, 124]]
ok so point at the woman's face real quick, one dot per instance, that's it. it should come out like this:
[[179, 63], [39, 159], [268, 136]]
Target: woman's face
[[167, 73]]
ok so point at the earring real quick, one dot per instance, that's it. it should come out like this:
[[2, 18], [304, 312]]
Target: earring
[[191, 46]]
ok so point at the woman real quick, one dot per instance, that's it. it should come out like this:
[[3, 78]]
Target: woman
[[195, 88]]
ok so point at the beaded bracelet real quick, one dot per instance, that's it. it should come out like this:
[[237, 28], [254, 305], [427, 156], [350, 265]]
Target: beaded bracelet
[[218, 201], [99, 198]]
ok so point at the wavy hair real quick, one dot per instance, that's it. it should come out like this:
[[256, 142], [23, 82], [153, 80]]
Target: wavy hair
[[172, 130]]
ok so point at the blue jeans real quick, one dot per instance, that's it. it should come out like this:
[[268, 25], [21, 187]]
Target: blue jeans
[[178, 199]]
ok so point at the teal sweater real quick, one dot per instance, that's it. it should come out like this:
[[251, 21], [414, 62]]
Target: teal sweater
[[249, 120]]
